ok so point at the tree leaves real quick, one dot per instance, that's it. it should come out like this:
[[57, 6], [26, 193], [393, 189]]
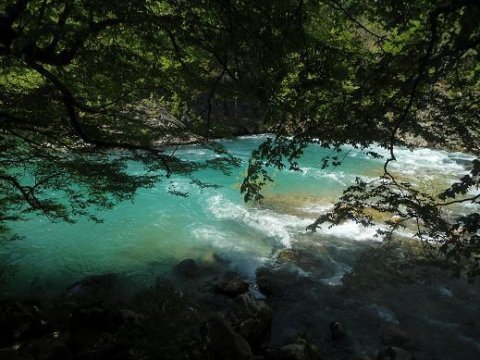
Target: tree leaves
[[88, 86]]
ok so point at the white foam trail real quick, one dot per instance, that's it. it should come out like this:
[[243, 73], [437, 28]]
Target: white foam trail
[[337, 278], [385, 313], [182, 185], [444, 291], [427, 160], [264, 136], [284, 227], [337, 176], [217, 238], [243, 257], [280, 226], [351, 230]]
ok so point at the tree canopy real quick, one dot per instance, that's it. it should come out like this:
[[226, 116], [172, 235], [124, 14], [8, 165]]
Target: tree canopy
[[80, 78]]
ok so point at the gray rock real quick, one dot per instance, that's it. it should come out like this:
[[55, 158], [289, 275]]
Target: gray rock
[[232, 287], [222, 342], [187, 268], [94, 319], [300, 350], [395, 336], [287, 256], [51, 349], [251, 318], [265, 283], [19, 322], [95, 288], [46, 348], [282, 282], [337, 331], [394, 353]]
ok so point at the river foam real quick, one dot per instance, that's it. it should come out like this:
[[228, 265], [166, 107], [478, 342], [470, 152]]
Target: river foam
[[278, 226]]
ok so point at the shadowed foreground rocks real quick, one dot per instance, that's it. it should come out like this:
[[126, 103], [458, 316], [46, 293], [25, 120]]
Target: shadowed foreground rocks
[[212, 313]]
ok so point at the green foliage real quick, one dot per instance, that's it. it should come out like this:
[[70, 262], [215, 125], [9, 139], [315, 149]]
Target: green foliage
[[386, 74], [88, 86]]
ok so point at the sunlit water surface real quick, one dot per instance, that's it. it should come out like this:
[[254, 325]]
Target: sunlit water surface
[[144, 238]]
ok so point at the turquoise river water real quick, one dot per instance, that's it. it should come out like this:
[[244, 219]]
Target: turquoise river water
[[144, 238]]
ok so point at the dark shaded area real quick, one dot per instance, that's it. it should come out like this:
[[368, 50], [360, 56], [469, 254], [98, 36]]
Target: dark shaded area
[[409, 309]]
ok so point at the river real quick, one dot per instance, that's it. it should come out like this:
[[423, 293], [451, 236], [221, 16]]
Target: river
[[143, 239]]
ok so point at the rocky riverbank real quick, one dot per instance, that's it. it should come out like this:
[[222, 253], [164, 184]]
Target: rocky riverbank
[[383, 309]]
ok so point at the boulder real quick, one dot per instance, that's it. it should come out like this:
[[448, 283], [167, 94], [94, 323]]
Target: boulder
[[251, 318], [265, 282], [48, 348], [19, 321], [395, 336], [337, 331], [94, 319], [282, 282], [394, 353], [300, 350], [95, 288], [232, 287], [187, 268], [287, 256], [130, 317], [222, 342], [99, 333]]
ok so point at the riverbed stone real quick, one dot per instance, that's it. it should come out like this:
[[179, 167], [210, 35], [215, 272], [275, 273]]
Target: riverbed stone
[[53, 348], [281, 282], [19, 322], [222, 342], [98, 333], [395, 336], [95, 288], [187, 268], [251, 318], [337, 331], [46, 348], [232, 287], [265, 282], [94, 319], [299, 350], [287, 256], [394, 353]]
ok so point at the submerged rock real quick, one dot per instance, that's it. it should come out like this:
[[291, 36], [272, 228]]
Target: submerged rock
[[95, 288], [395, 336], [94, 319], [265, 282], [222, 342], [287, 255], [282, 282], [19, 321], [232, 287], [300, 350], [53, 347], [337, 331], [102, 333], [394, 353], [187, 268]]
